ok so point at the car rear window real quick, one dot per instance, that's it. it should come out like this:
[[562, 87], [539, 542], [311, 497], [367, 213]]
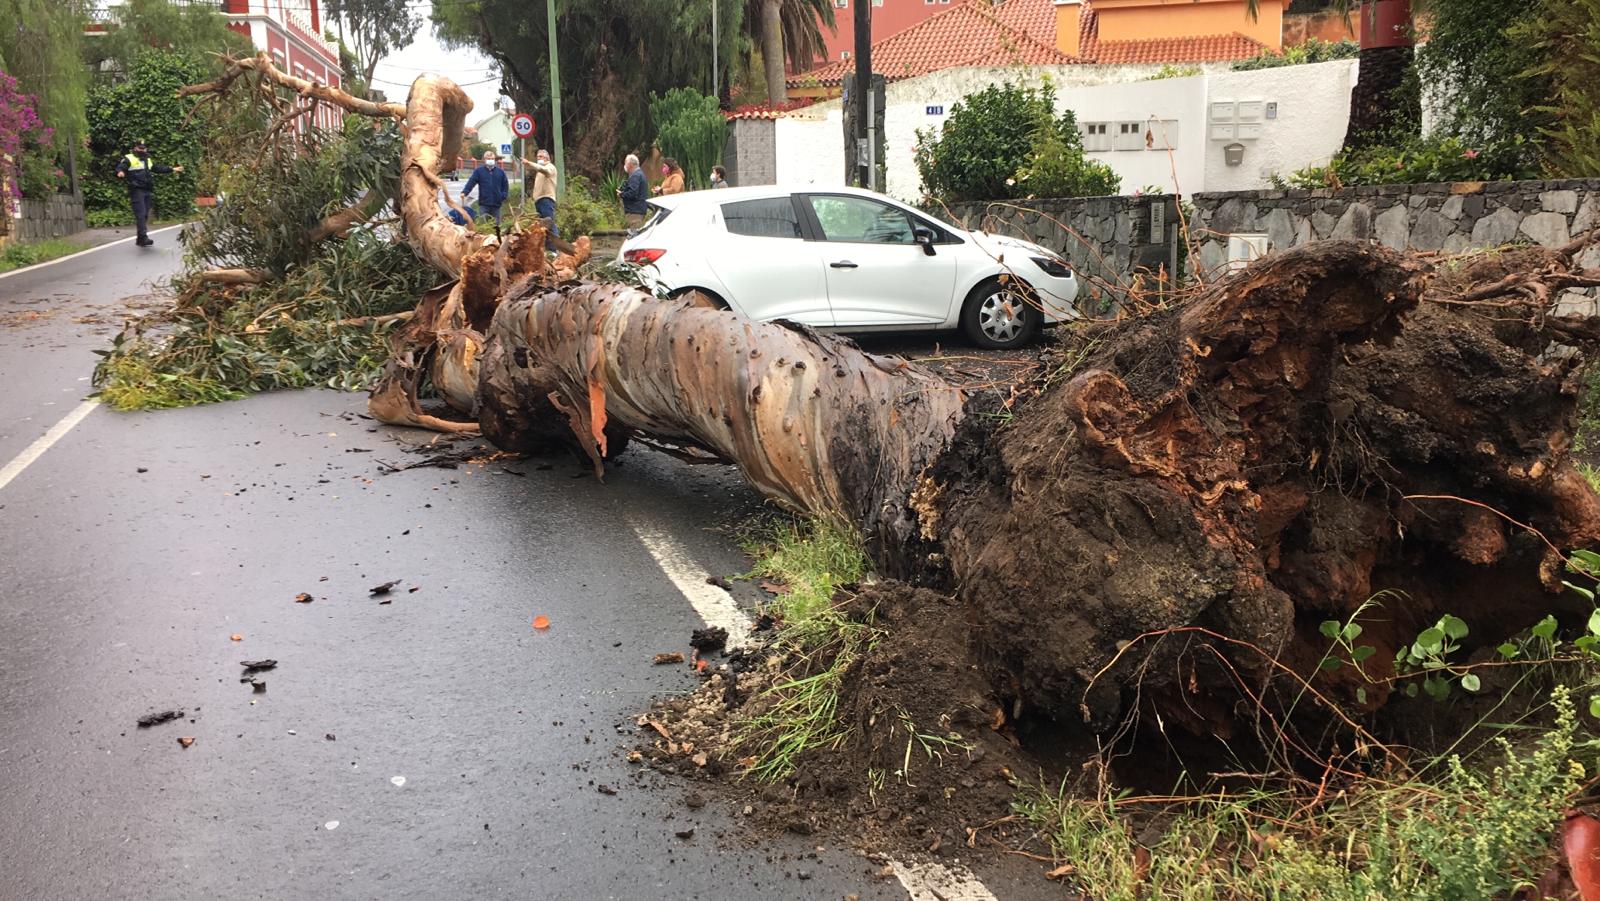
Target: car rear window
[[769, 217]]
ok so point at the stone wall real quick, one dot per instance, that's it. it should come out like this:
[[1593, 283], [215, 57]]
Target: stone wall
[[54, 217], [1108, 239], [751, 154], [1450, 217]]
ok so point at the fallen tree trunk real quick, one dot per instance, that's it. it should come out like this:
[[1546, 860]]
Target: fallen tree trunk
[[809, 419]]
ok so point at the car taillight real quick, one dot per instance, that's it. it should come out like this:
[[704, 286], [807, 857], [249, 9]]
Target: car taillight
[[644, 256]]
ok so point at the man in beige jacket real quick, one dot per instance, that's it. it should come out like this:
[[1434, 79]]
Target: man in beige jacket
[[544, 192]]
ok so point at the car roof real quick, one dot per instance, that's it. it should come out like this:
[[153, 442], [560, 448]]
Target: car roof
[[755, 192]]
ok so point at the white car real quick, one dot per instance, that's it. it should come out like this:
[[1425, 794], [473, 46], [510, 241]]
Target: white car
[[850, 260]]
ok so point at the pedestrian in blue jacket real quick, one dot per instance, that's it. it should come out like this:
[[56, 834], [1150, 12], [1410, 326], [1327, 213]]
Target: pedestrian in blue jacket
[[634, 193], [492, 184]]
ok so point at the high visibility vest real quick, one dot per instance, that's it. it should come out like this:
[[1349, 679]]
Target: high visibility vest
[[135, 163]]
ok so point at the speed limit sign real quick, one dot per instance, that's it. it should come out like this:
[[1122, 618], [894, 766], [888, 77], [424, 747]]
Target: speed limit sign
[[522, 125]]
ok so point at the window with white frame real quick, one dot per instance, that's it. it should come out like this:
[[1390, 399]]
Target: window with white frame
[[841, 3], [1130, 136], [844, 54], [1096, 136]]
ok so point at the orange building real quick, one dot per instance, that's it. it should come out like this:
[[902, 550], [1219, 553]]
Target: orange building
[[889, 18], [1197, 30]]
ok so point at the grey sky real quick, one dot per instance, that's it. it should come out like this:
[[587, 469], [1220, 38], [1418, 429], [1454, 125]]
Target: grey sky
[[468, 68]]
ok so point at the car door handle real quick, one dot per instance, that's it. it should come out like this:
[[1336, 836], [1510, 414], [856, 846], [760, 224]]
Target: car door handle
[[843, 264]]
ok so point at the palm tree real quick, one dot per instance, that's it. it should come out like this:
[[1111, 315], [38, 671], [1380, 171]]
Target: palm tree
[[787, 31], [1383, 98]]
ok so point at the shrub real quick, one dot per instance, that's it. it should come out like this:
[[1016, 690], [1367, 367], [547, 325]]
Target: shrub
[[580, 212], [690, 127], [25, 153], [1565, 36], [1312, 50], [1007, 141], [1436, 158], [146, 107]]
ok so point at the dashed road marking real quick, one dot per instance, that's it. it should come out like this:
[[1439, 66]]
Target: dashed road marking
[[38, 266], [936, 882], [922, 881], [36, 450], [715, 606]]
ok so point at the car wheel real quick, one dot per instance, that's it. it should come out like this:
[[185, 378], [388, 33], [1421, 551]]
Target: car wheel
[[716, 301], [1000, 316]]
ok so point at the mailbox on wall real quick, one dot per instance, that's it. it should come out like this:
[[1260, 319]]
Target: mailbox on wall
[[1233, 154]]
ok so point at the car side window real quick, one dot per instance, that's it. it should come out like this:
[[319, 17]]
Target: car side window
[[768, 217], [861, 220]]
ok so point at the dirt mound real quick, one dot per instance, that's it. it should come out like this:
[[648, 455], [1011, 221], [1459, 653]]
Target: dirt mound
[[924, 758], [1264, 458]]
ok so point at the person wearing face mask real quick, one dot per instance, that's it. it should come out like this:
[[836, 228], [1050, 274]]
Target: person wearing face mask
[[719, 177], [492, 184], [671, 177]]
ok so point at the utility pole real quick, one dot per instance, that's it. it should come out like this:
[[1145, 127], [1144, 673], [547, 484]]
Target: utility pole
[[714, 72], [555, 97], [863, 90]]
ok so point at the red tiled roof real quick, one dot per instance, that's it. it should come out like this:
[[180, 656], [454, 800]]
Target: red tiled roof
[[1209, 48], [1034, 18], [971, 34], [766, 110]]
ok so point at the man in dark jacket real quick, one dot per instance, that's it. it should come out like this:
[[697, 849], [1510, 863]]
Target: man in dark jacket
[[492, 184], [634, 192], [140, 174]]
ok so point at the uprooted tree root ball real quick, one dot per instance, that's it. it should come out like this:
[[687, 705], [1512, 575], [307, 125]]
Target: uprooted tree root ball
[[1259, 461]]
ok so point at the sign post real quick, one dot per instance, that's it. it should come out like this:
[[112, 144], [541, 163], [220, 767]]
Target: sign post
[[522, 127]]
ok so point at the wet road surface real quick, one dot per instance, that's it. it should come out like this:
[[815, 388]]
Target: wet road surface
[[435, 746]]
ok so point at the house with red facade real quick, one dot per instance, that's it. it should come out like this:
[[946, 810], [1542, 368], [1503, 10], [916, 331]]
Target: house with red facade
[[290, 31]]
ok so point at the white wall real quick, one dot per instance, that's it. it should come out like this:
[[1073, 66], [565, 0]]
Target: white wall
[[1312, 114], [1171, 110], [1313, 104]]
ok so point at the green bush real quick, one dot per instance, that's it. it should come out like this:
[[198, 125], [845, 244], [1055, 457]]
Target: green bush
[[145, 106], [690, 127], [580, 212], [1436, 158], [1007, 141], [1057, 167], [1565, 37], [1312, 50]]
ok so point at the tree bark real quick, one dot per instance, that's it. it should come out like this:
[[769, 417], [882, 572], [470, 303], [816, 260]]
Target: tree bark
[[810, 420], [772, 50]]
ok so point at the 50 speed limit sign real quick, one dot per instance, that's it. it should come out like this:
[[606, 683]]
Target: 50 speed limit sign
[[522, 125]]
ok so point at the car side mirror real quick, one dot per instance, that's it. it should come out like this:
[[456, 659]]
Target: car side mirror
[[924, 236]]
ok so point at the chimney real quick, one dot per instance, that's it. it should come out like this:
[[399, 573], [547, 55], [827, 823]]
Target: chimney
[[1068, 28]]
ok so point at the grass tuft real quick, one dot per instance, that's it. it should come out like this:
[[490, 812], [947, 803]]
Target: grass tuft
[[1467, 833], [17, 255], [800, 711]]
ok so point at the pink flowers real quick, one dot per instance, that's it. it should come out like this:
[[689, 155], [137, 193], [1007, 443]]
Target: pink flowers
[[19, 127], [1469, 154]]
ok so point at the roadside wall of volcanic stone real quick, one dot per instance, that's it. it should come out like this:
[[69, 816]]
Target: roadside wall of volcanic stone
[[1113, 242], [1450, 217]]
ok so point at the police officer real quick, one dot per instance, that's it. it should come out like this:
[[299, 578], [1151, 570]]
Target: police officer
[[141, 174]]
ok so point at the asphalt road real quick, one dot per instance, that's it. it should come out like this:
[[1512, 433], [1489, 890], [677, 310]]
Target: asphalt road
[[435, 746]]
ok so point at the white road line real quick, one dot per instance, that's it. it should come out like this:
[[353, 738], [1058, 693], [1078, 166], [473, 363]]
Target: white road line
[[922, 881], [38, 266], [714, 605], [36, 450], [936, 882]]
